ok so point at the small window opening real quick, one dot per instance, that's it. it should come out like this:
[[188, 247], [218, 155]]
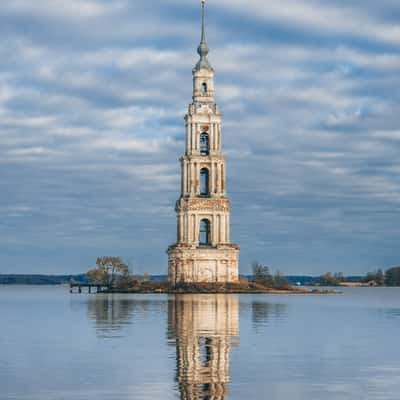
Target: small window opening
[[205, 232], [204, 144], [204, 182], [204, 88]]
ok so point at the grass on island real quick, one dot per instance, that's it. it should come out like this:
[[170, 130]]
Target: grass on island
[[213, 288]]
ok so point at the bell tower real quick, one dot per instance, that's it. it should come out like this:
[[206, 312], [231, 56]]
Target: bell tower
[[203, 252]]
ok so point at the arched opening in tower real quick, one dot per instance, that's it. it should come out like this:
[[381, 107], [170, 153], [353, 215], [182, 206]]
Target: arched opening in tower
[[205, 237], [204, 144], [204, 182]]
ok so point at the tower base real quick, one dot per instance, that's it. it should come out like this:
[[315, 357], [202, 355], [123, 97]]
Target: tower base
[[190, 264]]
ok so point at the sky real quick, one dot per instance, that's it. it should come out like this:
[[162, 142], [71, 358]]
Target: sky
[[92, 99]]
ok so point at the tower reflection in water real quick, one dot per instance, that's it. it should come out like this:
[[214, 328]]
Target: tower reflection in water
[[204, 328]]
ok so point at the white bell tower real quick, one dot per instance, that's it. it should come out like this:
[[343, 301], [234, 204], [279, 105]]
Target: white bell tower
[[203, 252]]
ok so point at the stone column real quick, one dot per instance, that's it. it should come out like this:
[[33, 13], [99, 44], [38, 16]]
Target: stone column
[[192, 178], [195, 135], [215, 137], [185, 177], [214, 230], [194, 185], [216, 130], [187, 136], [189, 228], [211, 182], [214, 173], [197, 140], [178, 228], [223, 178], [181, 228], [216, 177], [195, 229], [186, 228], [219, 179], [211, 138], [223, 230], [182, 177], [197, 191], [210, 135], [219, 138], [188, 177], [219, 229], [191, 137]]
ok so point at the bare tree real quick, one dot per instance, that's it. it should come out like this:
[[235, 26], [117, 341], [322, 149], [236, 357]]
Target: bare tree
[[262, 275], [108, 270]]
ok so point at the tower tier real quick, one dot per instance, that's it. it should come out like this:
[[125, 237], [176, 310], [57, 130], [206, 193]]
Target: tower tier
[[203, 265]]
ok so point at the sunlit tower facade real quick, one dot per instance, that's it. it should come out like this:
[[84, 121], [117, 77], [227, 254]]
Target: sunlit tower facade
[[203, 252]]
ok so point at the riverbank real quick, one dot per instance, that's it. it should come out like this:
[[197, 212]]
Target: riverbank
[[215, 288]]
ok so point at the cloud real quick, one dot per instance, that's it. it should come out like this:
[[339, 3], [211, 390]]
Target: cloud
[[326, 18], [92, 98], [59, 9]]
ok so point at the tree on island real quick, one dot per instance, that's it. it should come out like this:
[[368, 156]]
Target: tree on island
[[330, 279], [280, 281], [109, 271], [378, 277], [392, 277], [136, 276], [262, 276]]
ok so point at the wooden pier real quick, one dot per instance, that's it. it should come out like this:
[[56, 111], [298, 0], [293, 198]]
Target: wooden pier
[[91, 287]]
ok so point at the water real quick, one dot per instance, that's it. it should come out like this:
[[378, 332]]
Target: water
[[58, 346]]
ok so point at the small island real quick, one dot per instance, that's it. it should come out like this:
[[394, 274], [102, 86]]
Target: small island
[[112, 275]]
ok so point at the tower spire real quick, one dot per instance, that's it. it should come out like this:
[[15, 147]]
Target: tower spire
[[203, 49], [203, 28]]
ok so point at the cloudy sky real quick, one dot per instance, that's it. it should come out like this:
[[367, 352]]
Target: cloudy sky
[[92, 99]]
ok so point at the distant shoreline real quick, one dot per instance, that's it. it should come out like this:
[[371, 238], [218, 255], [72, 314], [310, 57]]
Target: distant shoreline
[[62, 279], [48, 279], [297, 281], [40, 279]]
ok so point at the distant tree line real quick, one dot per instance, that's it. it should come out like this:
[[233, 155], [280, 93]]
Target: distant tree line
[[392, 277], [379, 278], [330, 279], [389, 278], [262, 275], [34, 279]]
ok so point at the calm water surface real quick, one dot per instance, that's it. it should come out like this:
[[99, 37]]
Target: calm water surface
[[54, 345]]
